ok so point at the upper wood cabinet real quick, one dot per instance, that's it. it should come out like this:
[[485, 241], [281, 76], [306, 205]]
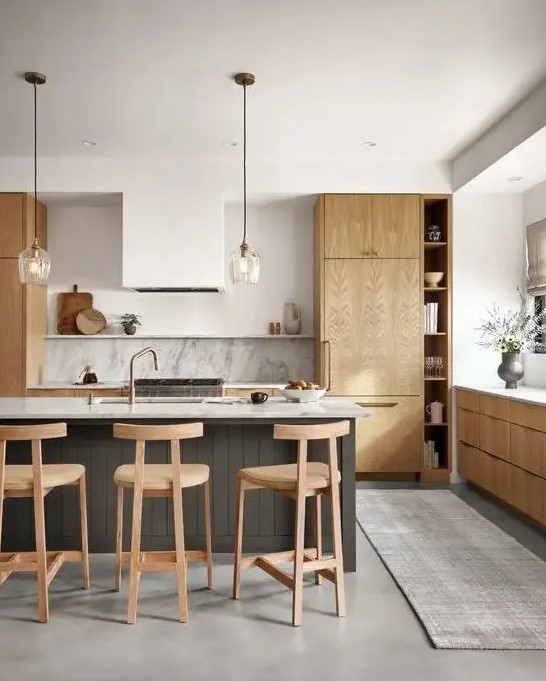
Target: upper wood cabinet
[[17, 224], [12, 348], [372, 226], [372, 314]]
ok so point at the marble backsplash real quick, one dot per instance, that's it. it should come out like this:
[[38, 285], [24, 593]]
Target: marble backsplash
[[234, 359]]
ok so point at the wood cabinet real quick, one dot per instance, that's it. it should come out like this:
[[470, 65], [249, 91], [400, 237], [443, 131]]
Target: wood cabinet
[[390, 438], [372, 226], [509, 460], [77, 392], [23, 309], [245, 392], [372, 311]]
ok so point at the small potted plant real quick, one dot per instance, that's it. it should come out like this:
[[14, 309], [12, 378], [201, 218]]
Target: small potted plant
[[511, 333], [130, 321]]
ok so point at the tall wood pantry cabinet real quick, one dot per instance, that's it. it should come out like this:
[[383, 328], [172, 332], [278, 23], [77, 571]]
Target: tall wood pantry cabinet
[[369, 299], [23, 309]]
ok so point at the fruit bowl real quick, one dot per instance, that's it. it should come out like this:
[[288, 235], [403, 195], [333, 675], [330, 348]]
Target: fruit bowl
[[295, 395]]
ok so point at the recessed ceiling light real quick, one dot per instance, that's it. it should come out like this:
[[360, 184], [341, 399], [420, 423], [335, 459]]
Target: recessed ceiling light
[[229, 144], [369, 143], [89, 143], [515, 178]]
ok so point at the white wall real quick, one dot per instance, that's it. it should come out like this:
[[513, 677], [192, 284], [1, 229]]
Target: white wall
[[85, 244], [488, 256]]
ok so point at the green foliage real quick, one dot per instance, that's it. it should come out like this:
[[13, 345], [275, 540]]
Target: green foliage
[[129, 318]]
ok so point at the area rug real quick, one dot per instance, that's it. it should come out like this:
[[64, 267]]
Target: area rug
[[471, 585]]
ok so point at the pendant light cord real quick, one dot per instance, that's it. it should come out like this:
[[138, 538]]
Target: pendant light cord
[[35, 167], [244, 163]]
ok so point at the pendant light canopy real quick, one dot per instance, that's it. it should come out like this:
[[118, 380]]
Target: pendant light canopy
[[244, 262], [34, 262]]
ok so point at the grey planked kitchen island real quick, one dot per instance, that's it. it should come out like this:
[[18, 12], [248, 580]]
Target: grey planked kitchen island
[[236, 434]]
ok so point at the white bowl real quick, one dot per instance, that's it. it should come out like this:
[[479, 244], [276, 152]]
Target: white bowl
[[433, 278], [303, 395]]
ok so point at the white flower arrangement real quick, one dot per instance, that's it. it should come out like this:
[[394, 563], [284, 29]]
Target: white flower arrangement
[[513, 330]]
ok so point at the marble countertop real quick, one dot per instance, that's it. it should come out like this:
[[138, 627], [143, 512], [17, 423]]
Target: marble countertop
[[521, 394], [105, 385], [23, 408]]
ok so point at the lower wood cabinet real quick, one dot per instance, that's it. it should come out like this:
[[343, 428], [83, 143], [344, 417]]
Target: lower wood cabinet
[[468, 427], [528, 449], [76, 392], [245, 392], [495, 436], [389, 441]]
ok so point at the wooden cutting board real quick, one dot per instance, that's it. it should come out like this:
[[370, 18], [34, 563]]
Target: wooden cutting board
[[69, 305]]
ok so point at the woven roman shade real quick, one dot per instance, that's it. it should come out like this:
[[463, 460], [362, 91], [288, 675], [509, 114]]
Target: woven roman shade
[[536, 258]]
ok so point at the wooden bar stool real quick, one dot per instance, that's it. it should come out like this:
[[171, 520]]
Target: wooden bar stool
[[160, 480], [298, 481], [37, 481]]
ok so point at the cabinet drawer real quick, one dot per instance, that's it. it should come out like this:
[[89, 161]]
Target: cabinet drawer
[[468, 461], [501, 479], [527, 493], [528, 449], [468, 427], [468, 400], [530, 415], [495, 437], [497, 407], [50, 392]]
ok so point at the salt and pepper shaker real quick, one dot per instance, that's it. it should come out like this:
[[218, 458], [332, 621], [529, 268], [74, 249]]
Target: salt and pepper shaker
[[277, 328], [272, 328]]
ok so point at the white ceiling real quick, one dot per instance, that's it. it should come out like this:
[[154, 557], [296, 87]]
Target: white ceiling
[[421, 77]]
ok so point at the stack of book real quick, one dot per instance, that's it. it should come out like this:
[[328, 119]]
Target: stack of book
[[431, 318], [432, 458]]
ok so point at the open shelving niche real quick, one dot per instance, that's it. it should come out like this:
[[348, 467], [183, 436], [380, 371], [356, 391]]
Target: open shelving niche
[[436, 210]]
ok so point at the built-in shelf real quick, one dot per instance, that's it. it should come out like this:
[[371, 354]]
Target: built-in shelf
[[435, 378], [437, 333], [103, 336], [432, 289], [430, 245]]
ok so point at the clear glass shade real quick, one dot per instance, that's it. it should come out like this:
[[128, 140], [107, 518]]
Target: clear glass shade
[[244, 265], [34, 266]]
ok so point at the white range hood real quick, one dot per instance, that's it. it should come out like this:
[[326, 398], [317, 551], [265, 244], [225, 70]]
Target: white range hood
[[173, 240]]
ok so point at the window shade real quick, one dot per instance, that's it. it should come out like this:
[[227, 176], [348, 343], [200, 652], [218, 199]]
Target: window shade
[[536, 257]]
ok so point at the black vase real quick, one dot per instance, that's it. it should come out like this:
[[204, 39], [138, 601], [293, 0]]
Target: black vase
[[130, 329]]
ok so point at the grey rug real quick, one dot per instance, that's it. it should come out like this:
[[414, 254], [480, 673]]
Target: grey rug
[[470, 584]]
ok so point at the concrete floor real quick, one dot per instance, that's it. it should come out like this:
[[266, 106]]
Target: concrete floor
[[381, 638]]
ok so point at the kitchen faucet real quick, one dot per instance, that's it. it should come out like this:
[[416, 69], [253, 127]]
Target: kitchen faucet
[[138, 354]]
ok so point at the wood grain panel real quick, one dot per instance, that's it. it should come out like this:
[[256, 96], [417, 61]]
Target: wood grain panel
[[529, 415], [396, 225], [527, 493], [28, 222], [497, 407], [495, 437], [35, 328], [468, 427], [469, 400], [53, 392], [245, 392], [11, 225], [528, 449], [390, 439], [468, 461], [373, 323], [12, 360], [318, 290], [347, 226]]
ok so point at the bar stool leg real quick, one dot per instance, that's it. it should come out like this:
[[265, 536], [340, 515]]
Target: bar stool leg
[[134, 571], [85, 539], [318, 534], [39, 525], [208, 534], [119, 538], [238, 549], [297, 600]]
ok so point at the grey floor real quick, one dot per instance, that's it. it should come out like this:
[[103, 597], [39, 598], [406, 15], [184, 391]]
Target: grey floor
[[380, 638]]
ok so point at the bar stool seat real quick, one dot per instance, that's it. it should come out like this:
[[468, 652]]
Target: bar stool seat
[[19, 478], [285, 476], [159, 476]]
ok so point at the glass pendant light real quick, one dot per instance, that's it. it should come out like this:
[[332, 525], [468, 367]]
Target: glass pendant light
[[244, 263], [34, 262]]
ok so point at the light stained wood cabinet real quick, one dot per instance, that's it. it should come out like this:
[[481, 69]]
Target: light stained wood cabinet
[[372, 225], [390, 438], [495, 437], [50, 392], [245, 392], [22, 308], [468, 400], [372, 313], [510, 460]]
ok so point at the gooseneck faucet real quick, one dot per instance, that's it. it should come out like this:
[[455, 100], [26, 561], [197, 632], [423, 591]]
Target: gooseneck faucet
[[138, 354]]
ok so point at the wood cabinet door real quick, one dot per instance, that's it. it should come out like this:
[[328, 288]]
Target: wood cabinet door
[[389, 440], [12, 380], [528, 449], [396, 225], [11, 225], [51, 392], [347, 226], [495, 437], [373, 327], [468, 427]]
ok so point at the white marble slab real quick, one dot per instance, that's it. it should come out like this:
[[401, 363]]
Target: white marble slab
[[521, 394], [109, 385], [67, 408]]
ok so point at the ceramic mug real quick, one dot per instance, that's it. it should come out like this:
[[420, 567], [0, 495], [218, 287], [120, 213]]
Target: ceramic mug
[[435, 411], [258, 397]]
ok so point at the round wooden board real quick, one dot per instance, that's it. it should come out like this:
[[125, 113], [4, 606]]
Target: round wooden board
[[90, 321]]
